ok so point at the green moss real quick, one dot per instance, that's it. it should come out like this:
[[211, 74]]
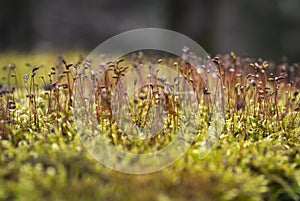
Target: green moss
[[257, 157]]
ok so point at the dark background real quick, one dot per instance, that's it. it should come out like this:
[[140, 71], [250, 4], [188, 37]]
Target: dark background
[[258, 28]]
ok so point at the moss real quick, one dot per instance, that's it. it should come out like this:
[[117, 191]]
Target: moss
[[257, 157]]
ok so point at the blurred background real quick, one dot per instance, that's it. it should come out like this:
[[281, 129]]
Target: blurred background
[[269, 29]]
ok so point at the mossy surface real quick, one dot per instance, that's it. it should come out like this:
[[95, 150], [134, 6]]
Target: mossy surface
[[257, 157]]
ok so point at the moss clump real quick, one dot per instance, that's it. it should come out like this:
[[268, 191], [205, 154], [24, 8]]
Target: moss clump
[[257, 157]]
